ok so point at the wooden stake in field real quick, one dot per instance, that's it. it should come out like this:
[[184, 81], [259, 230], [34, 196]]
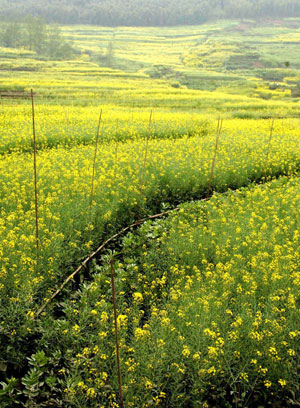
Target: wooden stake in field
[[67, 116], [94, 162], [116, 152], [219, 128], [117, 142], [269, 143], [35, 177], [116, 332], [145, 158], [147, 143]]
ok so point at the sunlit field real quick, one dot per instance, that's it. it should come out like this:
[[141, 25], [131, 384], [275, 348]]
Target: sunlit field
[[200, 123], [208, 306]]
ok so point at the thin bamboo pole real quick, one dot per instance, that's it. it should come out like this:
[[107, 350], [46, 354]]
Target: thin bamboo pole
[[116, 332], [35, 177], [219, 129], [117, 142], [67, 116], [145, 158], [269, 143], [94, 163], [116, 152]]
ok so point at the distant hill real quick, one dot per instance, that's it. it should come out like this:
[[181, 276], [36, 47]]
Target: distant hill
[[146, 13]]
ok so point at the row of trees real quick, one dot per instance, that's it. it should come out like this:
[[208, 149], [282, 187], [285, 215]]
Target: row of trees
[[33, 34], [146, 13]]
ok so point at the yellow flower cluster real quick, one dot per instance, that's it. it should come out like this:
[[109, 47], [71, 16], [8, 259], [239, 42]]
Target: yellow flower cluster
[[69, 224], [234, 325]]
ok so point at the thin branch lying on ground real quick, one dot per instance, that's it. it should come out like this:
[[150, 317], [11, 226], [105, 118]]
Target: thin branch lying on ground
[[97, 251]]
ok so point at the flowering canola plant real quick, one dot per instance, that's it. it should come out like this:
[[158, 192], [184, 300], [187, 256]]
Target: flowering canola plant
[[72, 222], [208, 301], [70, 226]]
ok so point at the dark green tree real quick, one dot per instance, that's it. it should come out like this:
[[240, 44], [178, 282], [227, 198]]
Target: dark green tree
[[55, 46], [110, 54], [11, 35], [35, 34]]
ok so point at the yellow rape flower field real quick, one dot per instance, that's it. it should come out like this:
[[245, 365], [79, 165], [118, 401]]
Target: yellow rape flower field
[[208, 294], [208, 303]]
